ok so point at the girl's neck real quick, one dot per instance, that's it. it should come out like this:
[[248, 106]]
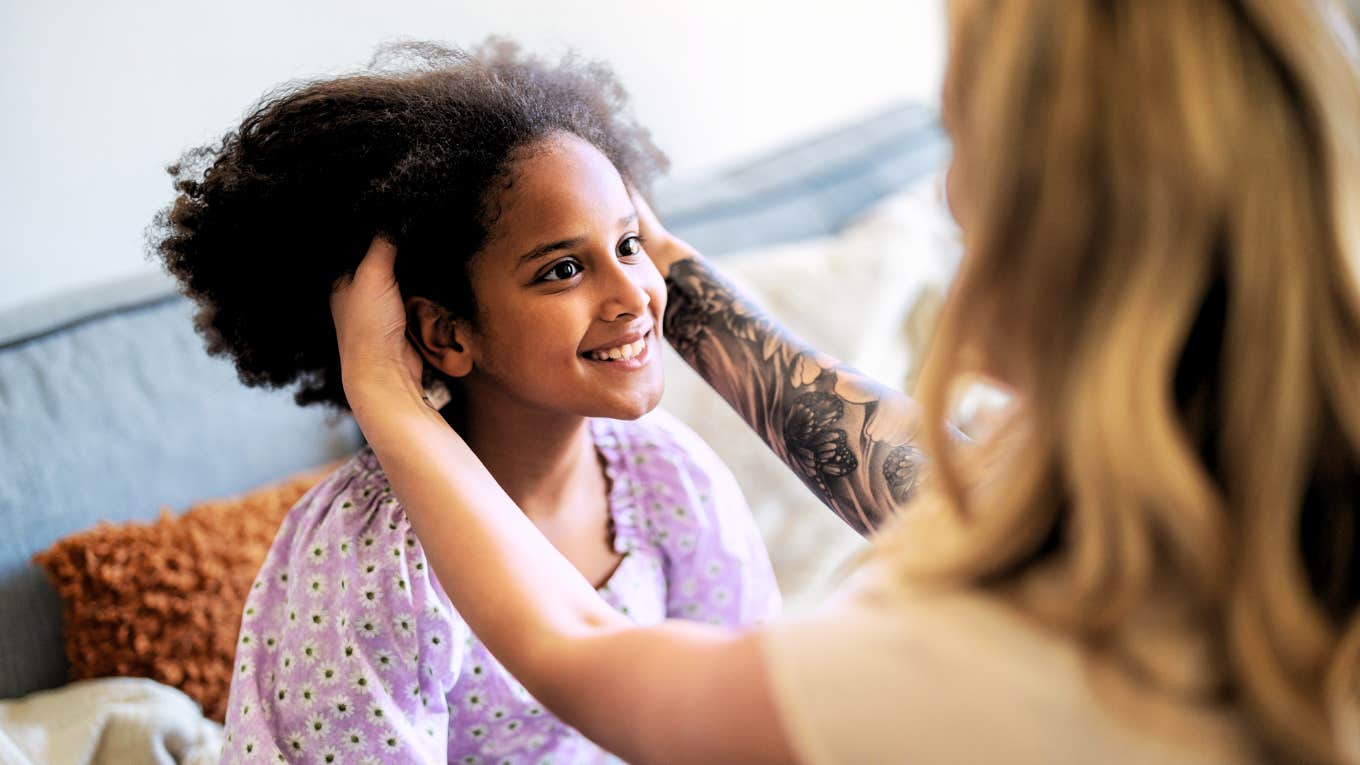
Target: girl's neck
[[544, 460]]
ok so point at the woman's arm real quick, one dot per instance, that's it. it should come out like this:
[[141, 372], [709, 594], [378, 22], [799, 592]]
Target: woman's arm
[[677, 692], [845, 435]]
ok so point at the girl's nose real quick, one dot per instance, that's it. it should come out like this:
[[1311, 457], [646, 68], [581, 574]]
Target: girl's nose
[[624, 293]]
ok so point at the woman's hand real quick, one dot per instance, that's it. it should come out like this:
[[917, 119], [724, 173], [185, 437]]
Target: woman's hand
[[661, 246], [376, 358]]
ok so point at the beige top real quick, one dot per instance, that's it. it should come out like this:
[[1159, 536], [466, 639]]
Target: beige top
[[890, 674]]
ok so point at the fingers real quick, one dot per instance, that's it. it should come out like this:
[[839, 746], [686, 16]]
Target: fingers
[[381, 257], [377, 267]]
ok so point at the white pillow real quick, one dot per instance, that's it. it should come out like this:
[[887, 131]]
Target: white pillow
[[867, 296]]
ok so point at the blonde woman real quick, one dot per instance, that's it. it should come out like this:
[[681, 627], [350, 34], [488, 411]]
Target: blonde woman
[[1153, 560]]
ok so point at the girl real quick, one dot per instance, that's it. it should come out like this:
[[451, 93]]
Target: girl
[[537, 316], [1155, 559]]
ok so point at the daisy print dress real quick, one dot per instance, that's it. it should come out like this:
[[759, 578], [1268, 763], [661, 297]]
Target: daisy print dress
[[350, 651]]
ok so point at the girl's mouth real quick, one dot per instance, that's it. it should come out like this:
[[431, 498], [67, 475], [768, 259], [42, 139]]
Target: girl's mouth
[[628, 356], [622, 352]]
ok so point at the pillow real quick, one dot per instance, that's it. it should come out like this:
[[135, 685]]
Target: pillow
[[868, 296], [163, 600]]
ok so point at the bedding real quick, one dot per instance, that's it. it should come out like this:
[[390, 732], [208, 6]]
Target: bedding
[[113, 721]]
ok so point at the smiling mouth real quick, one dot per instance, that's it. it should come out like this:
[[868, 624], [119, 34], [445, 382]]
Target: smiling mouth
[[626, 355], [620, 353]]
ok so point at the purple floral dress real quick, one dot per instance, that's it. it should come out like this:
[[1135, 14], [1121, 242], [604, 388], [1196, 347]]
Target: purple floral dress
[[350, 651]]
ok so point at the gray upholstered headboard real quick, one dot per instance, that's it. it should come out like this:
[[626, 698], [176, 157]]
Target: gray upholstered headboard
[[110, 409]]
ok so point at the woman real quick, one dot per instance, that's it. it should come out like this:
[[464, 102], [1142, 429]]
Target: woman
[[502, 176], [1153, 559]]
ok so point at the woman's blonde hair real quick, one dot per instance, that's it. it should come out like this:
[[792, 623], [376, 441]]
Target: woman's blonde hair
[[1161, 214]]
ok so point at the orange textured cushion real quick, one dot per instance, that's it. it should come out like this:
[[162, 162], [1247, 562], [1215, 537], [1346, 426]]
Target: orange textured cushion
[[163, 600]]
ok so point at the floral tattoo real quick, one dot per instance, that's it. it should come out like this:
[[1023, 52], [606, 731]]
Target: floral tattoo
[[846, 436]]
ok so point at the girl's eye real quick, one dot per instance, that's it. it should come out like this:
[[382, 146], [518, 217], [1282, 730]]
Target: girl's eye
[[631, 245], [562, 271]]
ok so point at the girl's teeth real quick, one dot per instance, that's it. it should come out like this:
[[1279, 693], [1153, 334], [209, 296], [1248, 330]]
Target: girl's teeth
[[622, 352]]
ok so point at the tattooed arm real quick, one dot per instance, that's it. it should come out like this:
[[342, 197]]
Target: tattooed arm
[[847, 437]]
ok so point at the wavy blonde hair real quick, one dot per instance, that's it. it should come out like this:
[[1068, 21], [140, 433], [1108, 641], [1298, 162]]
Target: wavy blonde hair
[[1161, 210]]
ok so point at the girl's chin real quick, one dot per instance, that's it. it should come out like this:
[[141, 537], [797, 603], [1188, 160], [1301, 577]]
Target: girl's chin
[[633, 410]]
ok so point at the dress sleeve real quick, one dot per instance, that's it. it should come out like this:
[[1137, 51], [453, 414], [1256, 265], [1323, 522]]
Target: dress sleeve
[[347, 647], [718, 570]]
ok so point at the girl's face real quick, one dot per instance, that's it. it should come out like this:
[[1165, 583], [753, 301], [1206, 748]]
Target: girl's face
[[569, 304]]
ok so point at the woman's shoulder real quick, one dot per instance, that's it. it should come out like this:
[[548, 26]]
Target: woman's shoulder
[[928, 664]]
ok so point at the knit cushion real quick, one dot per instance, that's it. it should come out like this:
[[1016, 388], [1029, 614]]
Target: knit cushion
[[163, 600]]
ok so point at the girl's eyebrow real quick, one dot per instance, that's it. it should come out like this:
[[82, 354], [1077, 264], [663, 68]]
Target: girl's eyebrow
[[548, 248], [564, 244]]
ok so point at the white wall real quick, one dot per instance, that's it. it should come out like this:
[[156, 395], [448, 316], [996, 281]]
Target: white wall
[[97, 97]]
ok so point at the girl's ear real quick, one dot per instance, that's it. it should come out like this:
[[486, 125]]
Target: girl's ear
[[441, 339]]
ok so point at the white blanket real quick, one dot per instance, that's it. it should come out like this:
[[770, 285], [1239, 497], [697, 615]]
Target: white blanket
[[120, 720]]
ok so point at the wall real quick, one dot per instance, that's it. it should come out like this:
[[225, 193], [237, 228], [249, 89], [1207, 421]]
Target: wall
[[98, 97]]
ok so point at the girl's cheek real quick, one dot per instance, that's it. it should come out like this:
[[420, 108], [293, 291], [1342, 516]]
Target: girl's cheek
[[654, 285]]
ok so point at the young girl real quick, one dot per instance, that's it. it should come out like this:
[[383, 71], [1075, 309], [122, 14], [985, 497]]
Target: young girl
[[537, 316]]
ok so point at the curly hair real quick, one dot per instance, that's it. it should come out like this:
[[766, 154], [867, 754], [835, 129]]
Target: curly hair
[[416, 149]]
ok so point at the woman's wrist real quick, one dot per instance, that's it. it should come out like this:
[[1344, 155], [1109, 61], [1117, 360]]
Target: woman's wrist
[[378, 394]]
